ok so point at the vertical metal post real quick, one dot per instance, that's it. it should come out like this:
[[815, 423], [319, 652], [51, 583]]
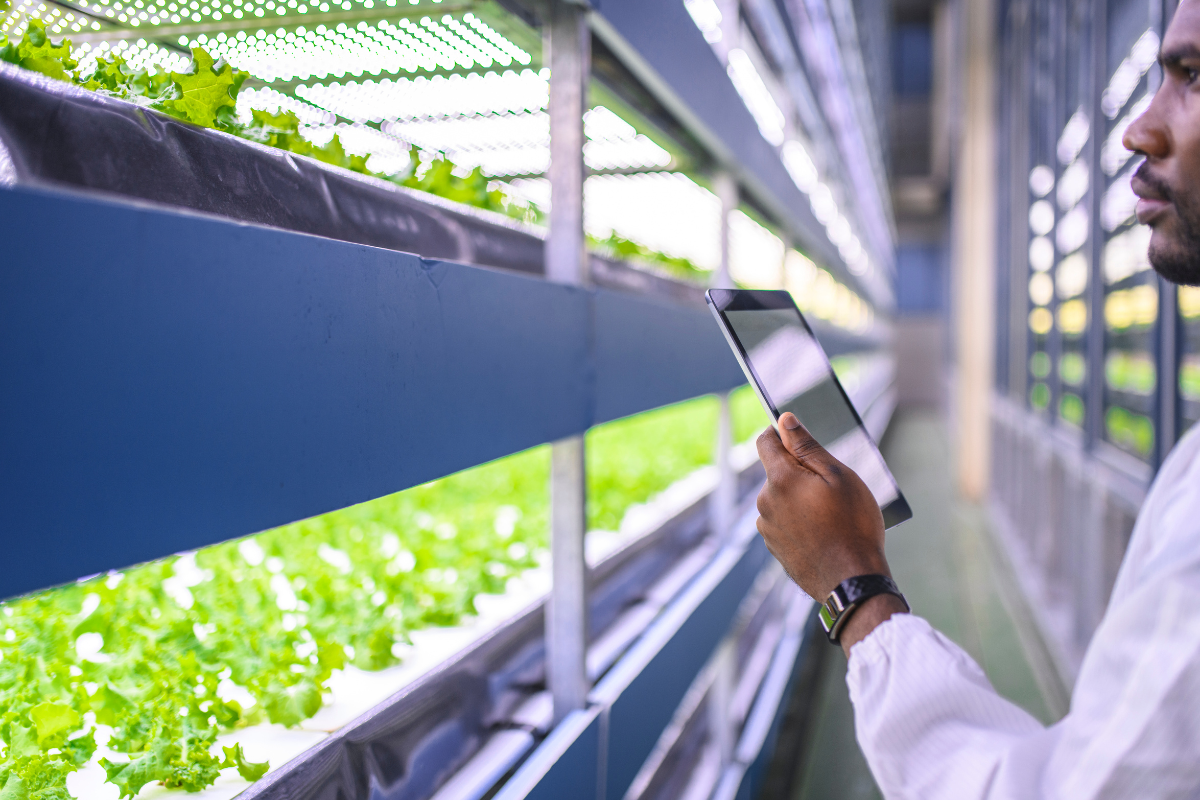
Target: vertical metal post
[[783, 262], [1094, 419], [722, 503], [1167, 345], [568, 45], [720, 724], [566, 613], [726, 189]]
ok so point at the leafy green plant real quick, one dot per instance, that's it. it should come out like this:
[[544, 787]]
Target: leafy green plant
[[1130, 371], [206, 95], [1070, 409], [1189, 378], [156, 658], [627, 249], [1133, 432]]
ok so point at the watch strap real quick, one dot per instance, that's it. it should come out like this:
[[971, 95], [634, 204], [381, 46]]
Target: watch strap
[[848, 595]]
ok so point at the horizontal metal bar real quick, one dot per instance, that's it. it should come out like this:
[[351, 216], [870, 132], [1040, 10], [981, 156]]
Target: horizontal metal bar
[[477, 777], [643, 690], [187, 379], [565, 765]]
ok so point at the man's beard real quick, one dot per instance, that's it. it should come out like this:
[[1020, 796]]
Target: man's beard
[[1175, 256]]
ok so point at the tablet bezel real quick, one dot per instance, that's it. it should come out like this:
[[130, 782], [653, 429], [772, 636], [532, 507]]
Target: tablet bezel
[[722, 300]]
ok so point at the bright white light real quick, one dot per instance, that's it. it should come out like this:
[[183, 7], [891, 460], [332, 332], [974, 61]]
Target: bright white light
[[756, 96], [1041, 254], [437, 97], [509, 144], [1041, 180], [1119, 202], [852, 250], [1113, 154], [383, 47], [1073, 185], [1041, 289], [1041, 217], [1071, 277], [1126, 254], [799, 165], [824, 207], [859, 265], [664, 211], [1129, 74], [615, 144], [1072, 230], [839, 231], [1074, 137], [707, 17], [755, 254], [270, 100]]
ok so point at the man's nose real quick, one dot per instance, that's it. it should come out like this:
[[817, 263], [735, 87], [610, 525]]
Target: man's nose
[[1147, 135]]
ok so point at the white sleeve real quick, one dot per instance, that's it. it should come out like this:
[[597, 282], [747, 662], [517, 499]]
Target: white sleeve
[[932, 727], [930, 724]]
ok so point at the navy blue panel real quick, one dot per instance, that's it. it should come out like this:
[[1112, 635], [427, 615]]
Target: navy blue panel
[[575, 774], [638, 716], [172, 380], [912, 60], [755, 774], [920, 279], [650, 353]]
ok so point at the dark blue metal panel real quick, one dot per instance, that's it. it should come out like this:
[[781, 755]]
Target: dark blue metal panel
[[566, 765], [638, 716], [172, 380], [576, 772], [650, 353], [755, 774]]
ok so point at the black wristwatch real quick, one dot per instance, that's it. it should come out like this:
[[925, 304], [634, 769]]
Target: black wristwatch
[[848, 596]]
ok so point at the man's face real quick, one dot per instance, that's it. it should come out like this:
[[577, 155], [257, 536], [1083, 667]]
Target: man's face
[[1168, 135]]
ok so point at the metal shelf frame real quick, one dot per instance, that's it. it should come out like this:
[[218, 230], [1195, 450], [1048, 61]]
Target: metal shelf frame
[[190, 376]]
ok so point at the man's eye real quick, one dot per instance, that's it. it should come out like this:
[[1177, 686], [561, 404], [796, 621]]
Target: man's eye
[[1192, 74]]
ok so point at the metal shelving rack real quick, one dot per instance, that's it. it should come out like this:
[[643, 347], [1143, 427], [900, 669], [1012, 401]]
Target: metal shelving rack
[[575, 353]]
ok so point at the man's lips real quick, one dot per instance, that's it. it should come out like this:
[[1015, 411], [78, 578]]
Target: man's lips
[[1151, 203], [1149, 210]]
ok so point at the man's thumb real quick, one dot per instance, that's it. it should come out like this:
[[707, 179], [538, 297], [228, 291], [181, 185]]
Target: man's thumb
[[798, 441]]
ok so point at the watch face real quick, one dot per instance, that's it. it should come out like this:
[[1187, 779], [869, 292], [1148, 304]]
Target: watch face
[[828, 620], [830, 611]]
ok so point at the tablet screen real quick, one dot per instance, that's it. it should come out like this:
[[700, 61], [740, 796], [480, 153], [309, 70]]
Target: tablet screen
[[782, 357]]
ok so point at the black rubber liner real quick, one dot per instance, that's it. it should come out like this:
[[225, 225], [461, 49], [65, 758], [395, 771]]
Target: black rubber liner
[[59, 134], [53, 133]]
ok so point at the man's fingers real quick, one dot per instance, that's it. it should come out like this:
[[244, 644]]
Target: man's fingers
[[801, 444], [775, 457]]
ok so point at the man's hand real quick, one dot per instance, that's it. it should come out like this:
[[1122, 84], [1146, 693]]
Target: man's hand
[[817, 517]]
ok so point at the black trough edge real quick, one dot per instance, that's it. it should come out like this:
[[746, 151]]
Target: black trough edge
[[55, 134], [413, 742]]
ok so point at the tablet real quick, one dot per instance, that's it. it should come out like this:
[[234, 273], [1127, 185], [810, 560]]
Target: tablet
[[790, 372]]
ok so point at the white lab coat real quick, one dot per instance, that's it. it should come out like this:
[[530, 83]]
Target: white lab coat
[[932, 727]]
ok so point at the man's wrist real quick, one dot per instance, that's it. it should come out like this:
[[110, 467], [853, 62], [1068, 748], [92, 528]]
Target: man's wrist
[[867, 617]]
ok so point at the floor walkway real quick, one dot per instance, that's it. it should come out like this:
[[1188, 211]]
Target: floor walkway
[[945, 564]]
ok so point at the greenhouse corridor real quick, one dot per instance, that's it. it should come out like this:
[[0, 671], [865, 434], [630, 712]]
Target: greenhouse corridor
[[365, 432]]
